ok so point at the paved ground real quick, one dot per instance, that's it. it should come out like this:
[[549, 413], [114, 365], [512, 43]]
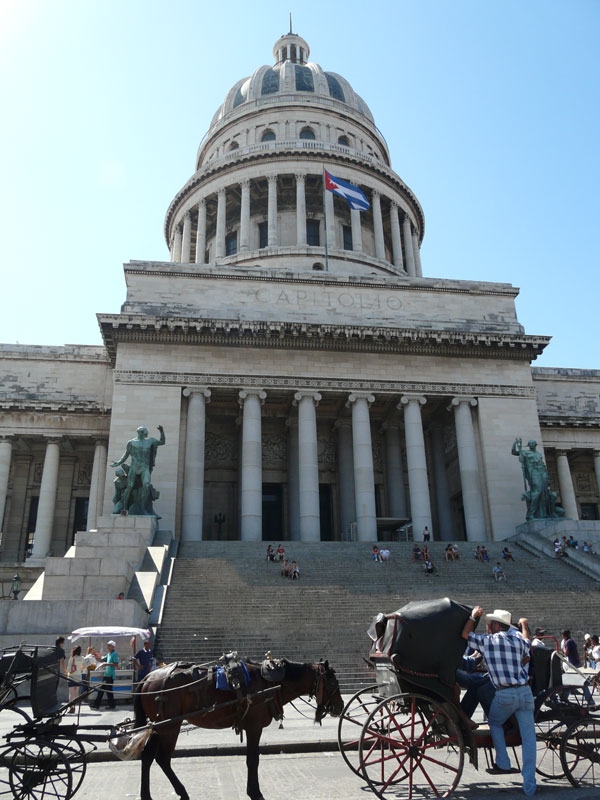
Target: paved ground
[[300, 761]]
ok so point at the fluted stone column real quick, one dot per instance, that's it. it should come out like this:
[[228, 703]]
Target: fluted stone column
[[251, 464], [47, 502], [418, 484], [221, 224], [308, 463], [565, 483], [193, 469], [272, 237], [245, 216], [408, 248], [5, 457], [293, 480], [201, 234], [177, 245], [364, 476], [417, 254], [300, 208], [440, 482], [596, 470], [396, 237], [394, 472], [356, 225], [186, 240], [469, 468], [97, 483], [345, 472], [378, 227], [330, 220]]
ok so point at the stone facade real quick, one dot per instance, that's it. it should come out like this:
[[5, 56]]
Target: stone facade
[[313, 384]]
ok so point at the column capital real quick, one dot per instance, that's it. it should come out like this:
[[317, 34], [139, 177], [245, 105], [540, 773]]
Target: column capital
[[352, 398], [202, 202], [203, 390], [563, 451], [7, 437], [100, 440], [245, 183], [187, 215], [221, 191], [301, 393], [456, 401], [411, 398], [272, 179], [376, 195], [300, 176], [245, 393], [53, 439]]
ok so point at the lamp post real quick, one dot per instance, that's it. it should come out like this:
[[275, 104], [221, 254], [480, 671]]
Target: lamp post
[[16, 586]]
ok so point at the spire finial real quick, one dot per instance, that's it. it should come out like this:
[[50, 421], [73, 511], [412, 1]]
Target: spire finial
[[291, 31]]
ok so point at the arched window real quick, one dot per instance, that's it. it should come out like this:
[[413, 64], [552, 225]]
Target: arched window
[[318, 267], [233, 146], [307, 133], [268, 136], [344, 140]]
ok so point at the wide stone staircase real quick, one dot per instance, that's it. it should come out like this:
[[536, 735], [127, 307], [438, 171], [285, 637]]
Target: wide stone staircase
[[224, 596]]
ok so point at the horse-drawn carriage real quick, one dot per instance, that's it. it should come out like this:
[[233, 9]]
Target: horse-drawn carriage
[[44, 758], [407, 735]]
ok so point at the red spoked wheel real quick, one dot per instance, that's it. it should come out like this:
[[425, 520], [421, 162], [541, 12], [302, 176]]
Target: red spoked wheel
[[351, 723], [411, 746], [580, 752]]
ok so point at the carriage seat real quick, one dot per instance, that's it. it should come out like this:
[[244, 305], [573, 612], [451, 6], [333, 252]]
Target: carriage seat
[[272, 669], [232, 673]]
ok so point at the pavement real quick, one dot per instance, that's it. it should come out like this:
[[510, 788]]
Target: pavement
[[299, 759]]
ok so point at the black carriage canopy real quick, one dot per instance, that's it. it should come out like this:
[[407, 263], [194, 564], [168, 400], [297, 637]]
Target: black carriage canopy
[[41, 664], [423, 640]]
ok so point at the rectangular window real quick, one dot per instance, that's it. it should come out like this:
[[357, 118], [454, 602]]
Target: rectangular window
[[231, 244], [313, 237], [347, 230], [263, 234]]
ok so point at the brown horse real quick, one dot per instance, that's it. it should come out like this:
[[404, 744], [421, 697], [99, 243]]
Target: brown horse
[[179, 692]]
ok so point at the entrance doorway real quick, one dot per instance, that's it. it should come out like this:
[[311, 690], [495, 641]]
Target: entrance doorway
[[272, 512], [326, 512]]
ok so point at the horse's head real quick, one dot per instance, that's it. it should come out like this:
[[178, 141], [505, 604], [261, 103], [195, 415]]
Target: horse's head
[[326, 691]]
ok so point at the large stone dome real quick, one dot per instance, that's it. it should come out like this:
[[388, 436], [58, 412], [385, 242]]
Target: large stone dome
[[291, 73]]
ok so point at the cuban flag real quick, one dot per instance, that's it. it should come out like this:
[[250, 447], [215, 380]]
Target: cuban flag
[[356, 197]]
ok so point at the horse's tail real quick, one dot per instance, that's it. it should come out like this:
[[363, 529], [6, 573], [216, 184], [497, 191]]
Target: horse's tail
[[140, 718]]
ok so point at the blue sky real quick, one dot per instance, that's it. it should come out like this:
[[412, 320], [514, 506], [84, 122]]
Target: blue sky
[[490, 109]]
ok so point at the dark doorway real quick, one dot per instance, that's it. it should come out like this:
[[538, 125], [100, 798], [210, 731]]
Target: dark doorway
[[81, 515], [272, 512], [326, 512]]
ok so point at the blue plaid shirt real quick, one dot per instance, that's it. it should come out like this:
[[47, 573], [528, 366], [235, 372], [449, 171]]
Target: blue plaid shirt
[[504, 653]]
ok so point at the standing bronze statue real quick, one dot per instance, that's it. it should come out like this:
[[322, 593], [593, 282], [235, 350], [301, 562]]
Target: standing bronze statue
[[134, 493], [541, 500]]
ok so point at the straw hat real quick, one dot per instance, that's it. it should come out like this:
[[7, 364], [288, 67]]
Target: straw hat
[[499, 615]]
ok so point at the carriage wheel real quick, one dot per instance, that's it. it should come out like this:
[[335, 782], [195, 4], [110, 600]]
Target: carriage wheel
[[556, 709], [580, 752], [76, 754], [39, 770], [14, 716], [351, 722], [410, 746], [548, 740]]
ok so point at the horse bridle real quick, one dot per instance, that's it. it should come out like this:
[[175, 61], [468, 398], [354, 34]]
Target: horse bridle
[[325, 685]]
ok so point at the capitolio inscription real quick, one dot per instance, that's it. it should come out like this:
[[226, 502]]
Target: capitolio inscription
[[327, 298]]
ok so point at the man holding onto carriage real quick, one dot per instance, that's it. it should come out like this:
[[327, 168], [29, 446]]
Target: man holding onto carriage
[[507, 653]]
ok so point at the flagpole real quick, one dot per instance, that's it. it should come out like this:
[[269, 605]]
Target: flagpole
[[325, 224]]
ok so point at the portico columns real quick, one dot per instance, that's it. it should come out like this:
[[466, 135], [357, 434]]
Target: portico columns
[[293, 480], [329, 220], [378, 227], [221, 223], [97, 482], [251, 464], [5, 457], [364, 478], [193, 469], [201, 234], [596, 470], [245, 216], [469, 468], [356, 225], [565, 483], [186, 241], [272, 238], [440, 482], [396, 238], [416, 254], [308, 466], [300, 209], [177, 245], [394, 472], [408, 248], [418, 484], [45, 516], [345, 462]]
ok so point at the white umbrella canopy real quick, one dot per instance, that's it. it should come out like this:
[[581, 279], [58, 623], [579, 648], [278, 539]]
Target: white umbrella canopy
[[109, 630]]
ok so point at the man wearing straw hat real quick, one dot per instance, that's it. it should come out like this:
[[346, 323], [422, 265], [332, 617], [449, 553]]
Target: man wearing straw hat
[[507, 652]]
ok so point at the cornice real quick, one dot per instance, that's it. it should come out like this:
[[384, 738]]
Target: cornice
[[304, 336], [291, 382], [53, 406], [568, 421]]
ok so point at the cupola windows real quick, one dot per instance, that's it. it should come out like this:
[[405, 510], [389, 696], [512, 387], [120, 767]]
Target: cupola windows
[[268, 136], [307, 133]]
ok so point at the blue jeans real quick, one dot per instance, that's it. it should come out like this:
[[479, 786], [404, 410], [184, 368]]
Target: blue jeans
[[480, 689], [518, 701]]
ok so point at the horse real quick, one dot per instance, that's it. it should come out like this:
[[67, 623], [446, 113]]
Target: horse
[[169, 695]]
